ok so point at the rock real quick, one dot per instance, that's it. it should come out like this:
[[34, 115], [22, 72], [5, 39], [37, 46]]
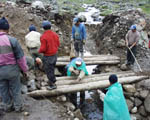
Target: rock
[[1, 10], [129, 88], [62, 98], [130, 104], [76, 119], [69, 106], [78, 114], [38, 4], [144, 93], [144, 84], [24, 89], [142, 111], [32, 85], [121, 43], [136, 117], [147, 103], [134, 110], [138, 102], [137, 94], [57, 72], [26, 113], [124, 67]]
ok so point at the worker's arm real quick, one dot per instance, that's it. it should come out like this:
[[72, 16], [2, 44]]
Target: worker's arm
[[72, 70], [73, 33], [43, 45], [81, 75]]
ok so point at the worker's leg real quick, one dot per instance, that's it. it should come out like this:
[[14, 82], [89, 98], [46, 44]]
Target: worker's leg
[[5, 94], [81, 48], [73, 99], [82, 98], [15, 89], [49, 63], [129, 55], [134, 52], [76, 46]]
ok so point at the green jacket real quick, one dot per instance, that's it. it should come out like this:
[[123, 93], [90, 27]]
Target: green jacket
[[115, 107], [72, 64]]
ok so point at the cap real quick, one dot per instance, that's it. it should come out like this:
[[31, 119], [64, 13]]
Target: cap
[[46, 23], [133, 27], [4, 25], [32, 28]]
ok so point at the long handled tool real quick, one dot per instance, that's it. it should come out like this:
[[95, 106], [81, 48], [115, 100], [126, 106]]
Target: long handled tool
[[135, 59]]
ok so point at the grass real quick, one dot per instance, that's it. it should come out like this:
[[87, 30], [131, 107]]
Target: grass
[[146, 8]]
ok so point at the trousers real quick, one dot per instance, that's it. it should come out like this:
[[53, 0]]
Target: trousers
[[10, 86], [49, 63]]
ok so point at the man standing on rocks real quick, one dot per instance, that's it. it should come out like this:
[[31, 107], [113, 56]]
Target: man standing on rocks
[[115, 106], [12, 61], [132, 38], [79, 36], [49, 47], [33, 41]]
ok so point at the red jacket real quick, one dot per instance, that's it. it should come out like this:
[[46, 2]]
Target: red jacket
[[49, 43]]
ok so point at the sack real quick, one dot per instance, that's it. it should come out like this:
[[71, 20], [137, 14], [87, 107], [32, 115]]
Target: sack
[[72, 52]]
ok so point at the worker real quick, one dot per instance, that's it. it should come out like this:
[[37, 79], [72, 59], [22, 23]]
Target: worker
[[79, 36], [132, 38], [49, 47], [12, 62], [32, 40], [77, 67], [115, 106]]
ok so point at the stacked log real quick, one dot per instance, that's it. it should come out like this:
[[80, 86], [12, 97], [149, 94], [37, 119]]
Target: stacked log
[[69, 84], [91, 60]]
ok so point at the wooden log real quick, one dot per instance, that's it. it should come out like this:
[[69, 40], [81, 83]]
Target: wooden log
[[83, 87], [90, 79], [113, 62], [98, 58], [94, 75]]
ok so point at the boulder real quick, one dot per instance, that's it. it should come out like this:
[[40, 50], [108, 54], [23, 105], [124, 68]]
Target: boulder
[[130, 104], [144, 84], [134, 110], [121, 43], [78, 114], [62, 98], [144, 93], [147, 103], [24, 89], [124, 67], [69, 106], [138, 102], [142, 111], [38, 4], [129, 88]]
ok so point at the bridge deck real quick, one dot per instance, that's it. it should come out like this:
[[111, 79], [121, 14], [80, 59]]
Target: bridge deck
[[91, 60], [91, 82]]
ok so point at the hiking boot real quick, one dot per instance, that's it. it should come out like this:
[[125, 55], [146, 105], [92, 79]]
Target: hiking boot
[[51, 87], [18, 110]]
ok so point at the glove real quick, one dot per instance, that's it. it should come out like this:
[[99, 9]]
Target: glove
[[101, 94]]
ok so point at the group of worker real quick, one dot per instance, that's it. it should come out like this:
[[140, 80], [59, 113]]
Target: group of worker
[[12, 62]]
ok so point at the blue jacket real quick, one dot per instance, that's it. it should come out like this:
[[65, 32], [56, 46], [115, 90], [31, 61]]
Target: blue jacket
[[81, 30]]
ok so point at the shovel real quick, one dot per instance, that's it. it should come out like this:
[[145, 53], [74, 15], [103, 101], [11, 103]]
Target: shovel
[[135, 59]]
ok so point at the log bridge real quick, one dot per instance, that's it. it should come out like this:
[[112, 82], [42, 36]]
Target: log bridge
[[69, 84], [91, 60]]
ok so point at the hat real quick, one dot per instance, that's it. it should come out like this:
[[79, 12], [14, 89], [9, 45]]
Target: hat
[[32, 28], [113, 78], [4, 25], [75, 20], [46, 23], [78, 61], [133, 27]]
